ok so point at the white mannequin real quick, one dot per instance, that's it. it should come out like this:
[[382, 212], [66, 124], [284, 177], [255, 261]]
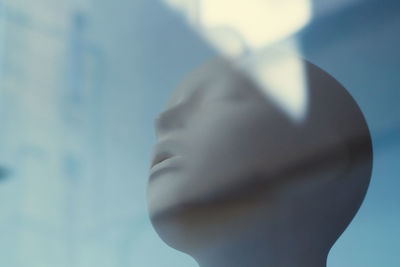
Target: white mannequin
[[236, 182]]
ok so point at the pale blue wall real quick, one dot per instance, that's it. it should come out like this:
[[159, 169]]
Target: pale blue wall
[[80, 84]]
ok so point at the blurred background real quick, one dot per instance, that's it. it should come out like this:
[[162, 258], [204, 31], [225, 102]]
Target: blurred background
[[81, 82]]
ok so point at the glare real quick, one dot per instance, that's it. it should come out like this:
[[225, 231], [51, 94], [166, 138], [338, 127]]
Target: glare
[[236, 27], [281, 75], [247, 31]]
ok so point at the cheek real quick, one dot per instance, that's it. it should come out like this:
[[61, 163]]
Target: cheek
[[226, 147]]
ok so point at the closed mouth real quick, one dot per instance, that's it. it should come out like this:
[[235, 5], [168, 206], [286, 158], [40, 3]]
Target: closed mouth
[[163, 165]]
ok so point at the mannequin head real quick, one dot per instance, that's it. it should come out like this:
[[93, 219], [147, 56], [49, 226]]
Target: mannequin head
[[236, 182]]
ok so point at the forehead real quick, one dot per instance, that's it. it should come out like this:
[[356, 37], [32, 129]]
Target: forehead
[[201, 81]]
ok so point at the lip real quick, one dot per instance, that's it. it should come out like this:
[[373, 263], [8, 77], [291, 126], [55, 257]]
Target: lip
[[160, 157], [168, 165], [165, 158], [164, 150]]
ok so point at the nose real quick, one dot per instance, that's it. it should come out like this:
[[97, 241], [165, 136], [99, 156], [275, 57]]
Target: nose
[[171, 119]]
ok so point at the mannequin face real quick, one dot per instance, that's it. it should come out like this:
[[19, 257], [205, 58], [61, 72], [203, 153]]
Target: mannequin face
[[214, 135], [218, 133]]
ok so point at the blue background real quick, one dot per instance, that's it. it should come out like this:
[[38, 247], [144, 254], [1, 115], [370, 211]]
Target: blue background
[[80, 84]]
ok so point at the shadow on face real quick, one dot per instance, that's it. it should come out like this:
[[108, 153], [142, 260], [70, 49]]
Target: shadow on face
[[231, 168]]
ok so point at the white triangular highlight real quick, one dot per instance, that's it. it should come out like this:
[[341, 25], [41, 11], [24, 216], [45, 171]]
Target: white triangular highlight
[[234, 27], [281, 76]]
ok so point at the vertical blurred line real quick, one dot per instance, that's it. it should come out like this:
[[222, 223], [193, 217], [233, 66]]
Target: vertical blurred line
[[3, 18], [2, 44], [97, 128], [75, 64], [74, 102], [83, 97], [10, 230]]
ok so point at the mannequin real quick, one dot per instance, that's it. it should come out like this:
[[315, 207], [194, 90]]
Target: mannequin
[[235, 181]]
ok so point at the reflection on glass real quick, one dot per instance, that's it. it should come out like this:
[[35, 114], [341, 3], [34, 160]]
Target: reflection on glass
[[236, 27]]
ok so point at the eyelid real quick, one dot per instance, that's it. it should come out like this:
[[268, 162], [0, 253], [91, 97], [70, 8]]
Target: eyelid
[[233, 94]]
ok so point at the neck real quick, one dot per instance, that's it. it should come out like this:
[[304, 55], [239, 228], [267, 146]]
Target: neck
[[255, 255], [255, 248]]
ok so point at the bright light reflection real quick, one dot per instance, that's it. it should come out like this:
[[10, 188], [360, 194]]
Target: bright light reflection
[[244, 29], [281, 76], [239, 26]]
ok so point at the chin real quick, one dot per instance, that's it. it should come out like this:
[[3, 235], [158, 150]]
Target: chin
[[192, 226], [178, 227]]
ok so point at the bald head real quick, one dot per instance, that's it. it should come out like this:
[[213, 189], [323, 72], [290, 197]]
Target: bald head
[[232, 168]]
